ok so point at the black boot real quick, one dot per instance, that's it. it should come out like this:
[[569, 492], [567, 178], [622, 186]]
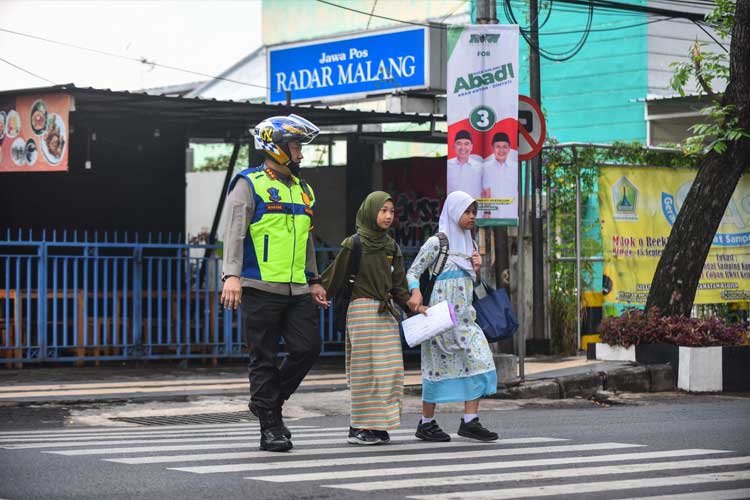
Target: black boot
[[272, 436], [287, 432]]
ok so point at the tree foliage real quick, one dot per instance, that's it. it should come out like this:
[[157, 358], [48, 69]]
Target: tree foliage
[[725, 144]]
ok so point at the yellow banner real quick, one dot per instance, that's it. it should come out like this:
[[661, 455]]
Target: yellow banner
[[638, 206]]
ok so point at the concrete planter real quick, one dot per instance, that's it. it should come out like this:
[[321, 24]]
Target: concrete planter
[[701, 369], [606, 352]]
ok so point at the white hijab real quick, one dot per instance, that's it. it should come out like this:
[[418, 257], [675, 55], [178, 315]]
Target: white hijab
[[460, 244]]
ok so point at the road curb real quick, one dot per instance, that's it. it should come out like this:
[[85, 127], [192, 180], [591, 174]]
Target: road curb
[[637, 378]]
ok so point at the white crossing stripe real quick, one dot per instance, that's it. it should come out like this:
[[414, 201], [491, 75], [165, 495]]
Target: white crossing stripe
[[175, 434], [477, 466], [210, 446], [319, 451], [742, 494], [345, 461], [66, 444], [234, 446], [578, 488], [97, 430], [536, 475]]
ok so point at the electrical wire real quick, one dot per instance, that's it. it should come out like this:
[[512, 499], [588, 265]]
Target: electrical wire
[[141, 60], [710, 35], [369, 19], [546, 53], [26, 71]]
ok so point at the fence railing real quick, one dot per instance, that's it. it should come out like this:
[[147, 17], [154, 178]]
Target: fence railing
[[84, 297]]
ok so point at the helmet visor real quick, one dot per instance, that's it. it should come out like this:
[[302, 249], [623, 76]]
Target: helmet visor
[[308, 130]]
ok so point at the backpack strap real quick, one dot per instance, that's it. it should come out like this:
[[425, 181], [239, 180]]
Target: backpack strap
[[356, 257], [442, 257]]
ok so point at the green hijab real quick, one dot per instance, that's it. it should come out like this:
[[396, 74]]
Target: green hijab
[[374, 239]]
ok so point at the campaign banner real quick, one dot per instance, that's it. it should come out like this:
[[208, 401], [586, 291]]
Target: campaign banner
[[34, 133], [483, 119], [350, 66], [638, 206]]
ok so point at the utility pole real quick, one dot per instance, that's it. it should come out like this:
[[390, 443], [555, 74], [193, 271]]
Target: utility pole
[[486, 12], [537, 228]]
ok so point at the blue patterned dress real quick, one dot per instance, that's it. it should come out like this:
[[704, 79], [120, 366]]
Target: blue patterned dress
[[456, 365]]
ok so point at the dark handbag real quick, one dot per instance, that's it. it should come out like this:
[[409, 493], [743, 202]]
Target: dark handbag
[[495, 314], [343, 296]]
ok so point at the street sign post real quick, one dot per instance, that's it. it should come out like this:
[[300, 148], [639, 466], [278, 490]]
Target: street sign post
[[531, 128]]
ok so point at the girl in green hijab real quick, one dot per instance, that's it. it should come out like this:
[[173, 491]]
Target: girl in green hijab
[[374, 361]]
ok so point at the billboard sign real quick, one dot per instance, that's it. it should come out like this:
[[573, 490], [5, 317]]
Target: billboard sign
[[34, 132], [351, 66]]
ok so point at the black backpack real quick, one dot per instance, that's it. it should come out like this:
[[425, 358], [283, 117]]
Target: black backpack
[[427, 280], [343, 296]]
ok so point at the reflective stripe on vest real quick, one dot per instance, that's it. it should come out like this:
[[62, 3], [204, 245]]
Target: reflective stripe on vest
[[275, 246]]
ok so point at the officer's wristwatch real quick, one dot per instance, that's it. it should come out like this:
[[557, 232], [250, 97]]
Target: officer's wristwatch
[[314, 280]]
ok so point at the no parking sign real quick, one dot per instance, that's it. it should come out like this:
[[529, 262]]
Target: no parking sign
[[531, 128]]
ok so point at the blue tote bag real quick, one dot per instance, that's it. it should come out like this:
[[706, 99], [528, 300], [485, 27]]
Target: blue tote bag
[[495, 314]]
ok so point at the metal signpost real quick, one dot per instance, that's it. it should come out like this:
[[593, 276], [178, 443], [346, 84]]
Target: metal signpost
[[532, 131]]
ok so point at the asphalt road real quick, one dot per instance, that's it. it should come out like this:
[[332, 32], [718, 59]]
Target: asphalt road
[[666, 447]]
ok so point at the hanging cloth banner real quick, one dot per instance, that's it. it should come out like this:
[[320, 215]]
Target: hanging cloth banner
[[483, 119], [638, 206], [34, 133]]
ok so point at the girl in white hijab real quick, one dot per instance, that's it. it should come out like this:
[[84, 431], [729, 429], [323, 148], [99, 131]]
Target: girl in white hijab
[[456, 365]]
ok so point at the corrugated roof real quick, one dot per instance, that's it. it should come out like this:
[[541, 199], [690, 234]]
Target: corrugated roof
[[210, 117]]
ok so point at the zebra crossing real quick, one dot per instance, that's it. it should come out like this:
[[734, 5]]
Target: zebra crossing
[[512, 467]]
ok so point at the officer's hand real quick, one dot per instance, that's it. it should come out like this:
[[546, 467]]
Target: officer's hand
[[231, 294], [319, 296]]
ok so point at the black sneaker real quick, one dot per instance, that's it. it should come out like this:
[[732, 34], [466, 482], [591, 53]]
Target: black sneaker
[[475, 430], [362, 436], [432, 432], [383, 435]]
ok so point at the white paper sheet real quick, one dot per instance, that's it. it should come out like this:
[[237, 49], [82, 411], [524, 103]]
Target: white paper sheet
[[439, 319]]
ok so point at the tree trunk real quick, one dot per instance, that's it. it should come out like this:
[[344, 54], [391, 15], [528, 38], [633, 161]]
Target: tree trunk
[[676, 278]]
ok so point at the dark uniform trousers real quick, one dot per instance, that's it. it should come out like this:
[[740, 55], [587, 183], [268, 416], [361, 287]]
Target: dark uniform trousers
[[266, 317]]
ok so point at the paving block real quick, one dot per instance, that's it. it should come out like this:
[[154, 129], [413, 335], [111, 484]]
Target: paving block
[[584, 385], [629, 379], [662, 377]]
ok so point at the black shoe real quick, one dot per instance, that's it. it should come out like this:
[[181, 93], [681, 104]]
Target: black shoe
[[362, 436], [432, 432], [475, 430], [273, 439], [383, 435], [287, 432], [285, 429]]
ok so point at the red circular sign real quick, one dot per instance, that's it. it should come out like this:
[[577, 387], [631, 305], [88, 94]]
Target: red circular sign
[[531, 128]]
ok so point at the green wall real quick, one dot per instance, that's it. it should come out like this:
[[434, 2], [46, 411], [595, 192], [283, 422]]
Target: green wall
[[598, 95]]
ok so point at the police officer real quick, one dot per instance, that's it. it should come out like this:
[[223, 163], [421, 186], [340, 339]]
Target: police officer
[[270, 270]]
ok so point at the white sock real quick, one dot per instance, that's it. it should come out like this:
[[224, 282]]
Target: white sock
[[426, 420], [468, 417]]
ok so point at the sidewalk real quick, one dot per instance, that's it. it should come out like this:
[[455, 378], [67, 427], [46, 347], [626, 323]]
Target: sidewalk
[[92, 384]]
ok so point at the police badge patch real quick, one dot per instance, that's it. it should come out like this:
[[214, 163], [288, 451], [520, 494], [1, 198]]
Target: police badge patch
[[274, 194]]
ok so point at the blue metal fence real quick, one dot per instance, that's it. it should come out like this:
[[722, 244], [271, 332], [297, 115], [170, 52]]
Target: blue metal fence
[[90, 297]]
